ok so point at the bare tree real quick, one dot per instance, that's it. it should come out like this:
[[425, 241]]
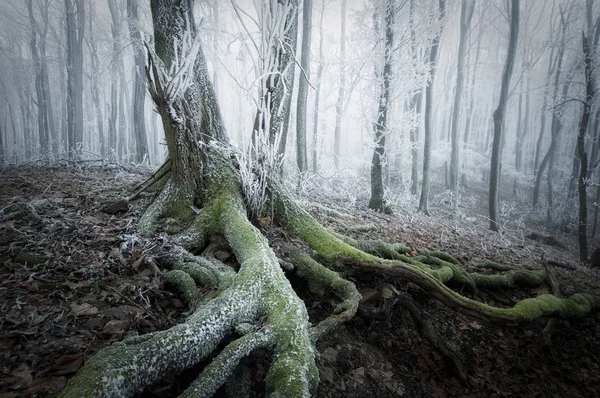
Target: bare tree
[[433, 53], [301, 157], [339, 105], [139, 83], [466, 14], [499, 115], [377, 201], [75, 12]]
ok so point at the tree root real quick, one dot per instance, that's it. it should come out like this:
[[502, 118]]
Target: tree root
[[259, 290], [331, 248], [428, 332], [259, 293], [219, 370], [320, 279]]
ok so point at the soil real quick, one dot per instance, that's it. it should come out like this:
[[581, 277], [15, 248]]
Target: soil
[[74, 278]]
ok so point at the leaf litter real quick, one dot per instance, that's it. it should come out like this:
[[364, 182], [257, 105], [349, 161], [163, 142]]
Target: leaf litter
[[74, 278]]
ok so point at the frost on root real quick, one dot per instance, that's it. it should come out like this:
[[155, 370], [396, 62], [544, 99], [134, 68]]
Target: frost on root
[[184, 283], [173, 202], [293, 372], [224, 365], [432, 280], [321, 279], [125, 368]]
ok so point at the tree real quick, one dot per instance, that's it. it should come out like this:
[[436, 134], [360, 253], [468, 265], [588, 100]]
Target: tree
[[95, 83], [415, 104], [39, 32], [75, 25], [320, 69], [581, 151], [339, 105], [556, 124], [301, 157], [466, 13], [252, 305], [139, 83], [499, 115], [377, 201], [275, 72], [433, 53]]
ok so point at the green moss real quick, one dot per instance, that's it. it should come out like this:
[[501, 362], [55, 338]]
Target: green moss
[[184, 283]]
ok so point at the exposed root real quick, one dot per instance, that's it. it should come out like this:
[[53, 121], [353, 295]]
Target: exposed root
[[320, 279], [184, 283], [329, 247], [172, 202], [219, 370], [429, 333]]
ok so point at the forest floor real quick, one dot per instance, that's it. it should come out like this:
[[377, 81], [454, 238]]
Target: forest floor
[[73, 279]]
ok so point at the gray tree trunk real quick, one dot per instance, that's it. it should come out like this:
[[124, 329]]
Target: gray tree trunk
[[139, 83], [377, 201], [424, 200], [499, 116], [320, 68], [466, 13], [339, 105], [75, 27], [301, 157]]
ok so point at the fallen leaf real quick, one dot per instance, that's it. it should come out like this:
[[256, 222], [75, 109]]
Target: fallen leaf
[[83, 309]]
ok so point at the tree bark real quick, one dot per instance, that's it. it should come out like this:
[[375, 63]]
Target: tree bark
[[583, 156], [466, 13], [320, 69], [424, 200], [499, 116], [75, 10], [139, 83], [301, 157], [377, 201], [339, 105]]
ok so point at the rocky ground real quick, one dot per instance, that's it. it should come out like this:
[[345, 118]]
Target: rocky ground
[[74, 278]]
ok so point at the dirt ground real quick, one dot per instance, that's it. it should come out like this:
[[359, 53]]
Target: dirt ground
[[73, 279]]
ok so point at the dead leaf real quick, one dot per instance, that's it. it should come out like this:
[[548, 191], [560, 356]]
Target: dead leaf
[[23, 375], [83, 309]]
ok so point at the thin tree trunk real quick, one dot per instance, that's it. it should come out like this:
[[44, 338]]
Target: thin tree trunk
[[301, 157], [341, 93], [315, 145], [95, 85], [424, 200], [377, 201], [415, 104], [466, 13], [583, 156], [499, 116], [139, 83]]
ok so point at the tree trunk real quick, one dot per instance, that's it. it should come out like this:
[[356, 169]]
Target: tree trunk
[[75, 10], [320, 68], [139, 84], [424, 200], [43, 128], [499, 116], [301, 157], [470, 110], [377, 201], [583, 156], [95, 85], [416, 102], [339, 105], [466, 13]]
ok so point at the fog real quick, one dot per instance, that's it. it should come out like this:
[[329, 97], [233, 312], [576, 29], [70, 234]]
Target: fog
[[546, 92]]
